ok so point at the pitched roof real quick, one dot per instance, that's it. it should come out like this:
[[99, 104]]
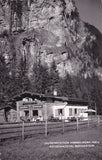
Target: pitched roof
[[46, 97]]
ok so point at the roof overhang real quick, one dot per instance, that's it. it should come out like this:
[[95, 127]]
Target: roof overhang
[[43, 97]]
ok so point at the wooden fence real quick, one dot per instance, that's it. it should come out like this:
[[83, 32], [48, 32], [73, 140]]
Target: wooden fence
[[23, 130]]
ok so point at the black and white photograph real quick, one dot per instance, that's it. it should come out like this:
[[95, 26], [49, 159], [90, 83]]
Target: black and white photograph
[[50, 79]]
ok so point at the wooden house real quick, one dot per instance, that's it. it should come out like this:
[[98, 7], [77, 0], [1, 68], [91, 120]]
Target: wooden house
[[32, 106]]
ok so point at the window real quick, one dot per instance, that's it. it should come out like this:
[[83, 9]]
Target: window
[[26, 113], [75, 111], [70, 111], [60, 111], [35, 112]]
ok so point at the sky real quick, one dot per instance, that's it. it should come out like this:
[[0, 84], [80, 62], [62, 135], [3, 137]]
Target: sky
[[91, 11]]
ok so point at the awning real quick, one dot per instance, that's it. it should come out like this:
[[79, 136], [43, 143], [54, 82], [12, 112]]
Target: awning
[[90, 111]]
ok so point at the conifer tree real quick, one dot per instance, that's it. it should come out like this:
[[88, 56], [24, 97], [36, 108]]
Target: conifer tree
[[67, 87], [40, 78], [22, 79], [96, 93], [4, 79]]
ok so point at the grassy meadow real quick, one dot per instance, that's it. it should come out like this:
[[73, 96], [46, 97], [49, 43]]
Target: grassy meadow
[[38, 148]]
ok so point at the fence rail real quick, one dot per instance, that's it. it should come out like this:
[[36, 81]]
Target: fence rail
[[15, 130]]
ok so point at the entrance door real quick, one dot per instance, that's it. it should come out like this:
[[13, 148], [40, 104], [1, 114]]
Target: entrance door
[[35, 112], [26, 113], [60, 111]]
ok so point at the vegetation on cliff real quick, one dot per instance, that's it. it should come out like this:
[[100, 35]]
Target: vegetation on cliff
[[44, 45]]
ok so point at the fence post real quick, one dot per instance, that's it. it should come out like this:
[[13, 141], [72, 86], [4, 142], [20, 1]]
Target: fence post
[[77, 124], [88, 121], [46, 128], [23, 131], [63, 125], [98, 120], [46, 120]]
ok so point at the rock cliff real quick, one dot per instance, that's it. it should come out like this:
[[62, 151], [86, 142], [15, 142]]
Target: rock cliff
[[49, 30]]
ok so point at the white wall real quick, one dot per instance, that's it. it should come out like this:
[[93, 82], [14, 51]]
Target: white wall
[[80, 111], [56, 107], [66, 114]]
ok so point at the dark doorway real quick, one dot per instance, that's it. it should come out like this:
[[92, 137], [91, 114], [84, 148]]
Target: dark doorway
[[75, 111], [26, 113], [60, 111], [35, 112]]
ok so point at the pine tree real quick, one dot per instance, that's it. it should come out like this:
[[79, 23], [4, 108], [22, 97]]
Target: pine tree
[[67, 87], [40, 78], [96, 93], [22, 79], [4, 79]]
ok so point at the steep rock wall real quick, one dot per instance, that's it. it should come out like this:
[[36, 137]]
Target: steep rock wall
[[47, 30]]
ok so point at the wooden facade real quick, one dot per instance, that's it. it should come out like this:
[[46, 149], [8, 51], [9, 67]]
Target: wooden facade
[[2, 115]]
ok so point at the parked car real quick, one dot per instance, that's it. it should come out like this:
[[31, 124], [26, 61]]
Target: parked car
[[73, 119], [37, 119], [53, 119]]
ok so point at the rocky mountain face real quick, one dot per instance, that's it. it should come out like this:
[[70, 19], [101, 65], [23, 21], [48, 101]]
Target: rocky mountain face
[[49, 30], [44, 45]]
